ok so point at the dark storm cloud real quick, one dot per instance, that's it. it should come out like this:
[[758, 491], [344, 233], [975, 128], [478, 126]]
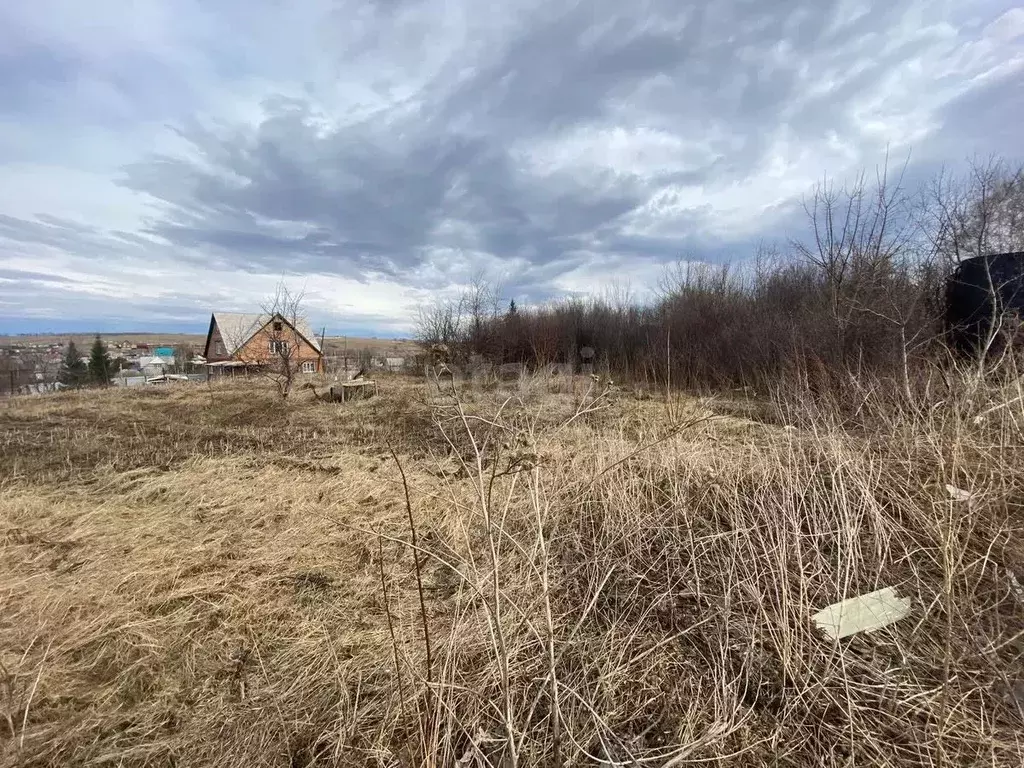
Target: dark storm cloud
[[411, 141], [371, 203]]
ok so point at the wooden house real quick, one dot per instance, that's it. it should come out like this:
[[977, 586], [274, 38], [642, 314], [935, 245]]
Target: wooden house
[[237, 340]]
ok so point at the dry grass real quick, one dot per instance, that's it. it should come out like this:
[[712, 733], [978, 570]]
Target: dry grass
[[211, 577]]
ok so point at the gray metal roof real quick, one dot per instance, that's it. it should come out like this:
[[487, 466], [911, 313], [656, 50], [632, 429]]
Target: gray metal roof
[[236, 328]]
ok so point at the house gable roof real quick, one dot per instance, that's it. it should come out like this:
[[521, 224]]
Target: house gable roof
[[236, 328]]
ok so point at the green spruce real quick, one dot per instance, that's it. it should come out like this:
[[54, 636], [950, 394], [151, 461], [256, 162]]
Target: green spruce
[[73, 371], [99, 363]]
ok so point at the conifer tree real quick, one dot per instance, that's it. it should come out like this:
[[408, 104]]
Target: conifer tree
[[73, 371], [99, 363]]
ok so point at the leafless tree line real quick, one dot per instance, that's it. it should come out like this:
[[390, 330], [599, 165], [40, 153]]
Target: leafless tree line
[[861, 293]]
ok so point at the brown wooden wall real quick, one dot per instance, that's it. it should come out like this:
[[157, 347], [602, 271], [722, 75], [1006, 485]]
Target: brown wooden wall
[[213, 351]]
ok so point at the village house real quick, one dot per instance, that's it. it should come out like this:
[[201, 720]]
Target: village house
[[153, 365], [237, 340]]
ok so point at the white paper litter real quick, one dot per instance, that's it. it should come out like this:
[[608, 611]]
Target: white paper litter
[[1015, 585], [958, 493], [862, 614]]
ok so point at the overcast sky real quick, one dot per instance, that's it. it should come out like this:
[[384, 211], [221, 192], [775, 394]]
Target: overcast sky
[[162, 158]]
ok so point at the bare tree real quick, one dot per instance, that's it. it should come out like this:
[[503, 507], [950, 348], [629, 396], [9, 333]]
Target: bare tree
[[29, 370], [977, 213], [284, 315], [862, 238], [465, 323], [442, 322], [482, 306]]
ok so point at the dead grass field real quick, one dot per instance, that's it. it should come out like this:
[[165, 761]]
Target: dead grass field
[[208, 576]]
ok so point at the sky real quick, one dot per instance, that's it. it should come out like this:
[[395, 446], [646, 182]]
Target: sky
[[160, 159]]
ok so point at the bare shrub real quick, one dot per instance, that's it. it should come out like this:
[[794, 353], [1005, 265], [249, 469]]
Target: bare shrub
[[861, 295]]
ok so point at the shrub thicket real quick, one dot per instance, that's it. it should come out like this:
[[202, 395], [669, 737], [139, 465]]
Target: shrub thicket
[[862, 294]]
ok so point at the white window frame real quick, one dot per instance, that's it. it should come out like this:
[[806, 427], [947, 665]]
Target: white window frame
[[278, 347], [308, 366]]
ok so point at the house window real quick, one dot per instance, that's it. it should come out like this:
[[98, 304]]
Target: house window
[[278, 327], [278, 347], [309, 367], [219, 348]]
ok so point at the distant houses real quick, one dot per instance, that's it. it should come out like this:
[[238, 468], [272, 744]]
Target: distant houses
[[234, 343]]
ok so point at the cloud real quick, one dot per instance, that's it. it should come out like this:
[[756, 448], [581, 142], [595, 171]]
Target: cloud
[[167, 158]]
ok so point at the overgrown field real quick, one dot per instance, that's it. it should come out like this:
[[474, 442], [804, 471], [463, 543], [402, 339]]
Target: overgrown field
[[568, 575]]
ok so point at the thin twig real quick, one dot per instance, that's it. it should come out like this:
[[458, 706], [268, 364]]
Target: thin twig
[[391, 626], [416, 563]]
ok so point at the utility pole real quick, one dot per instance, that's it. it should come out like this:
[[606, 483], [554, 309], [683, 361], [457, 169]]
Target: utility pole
[[323, 335]]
